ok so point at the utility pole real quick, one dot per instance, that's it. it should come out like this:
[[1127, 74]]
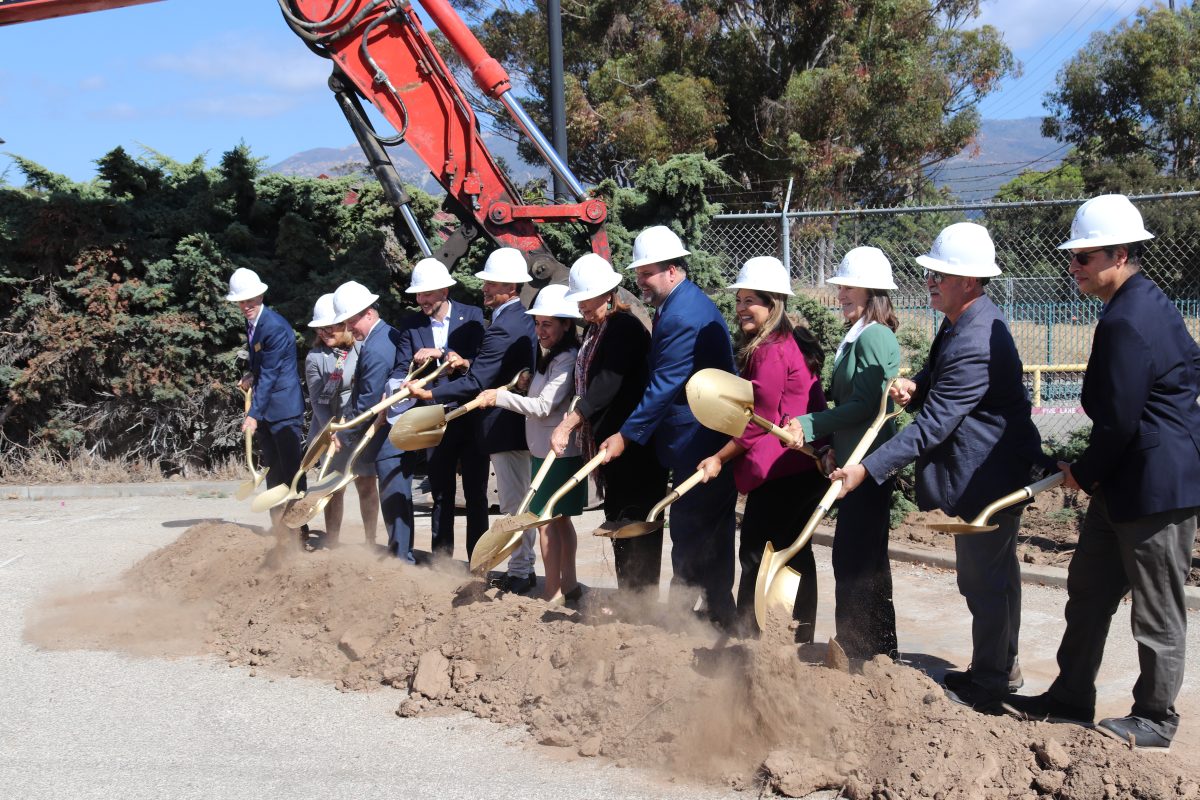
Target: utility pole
[[558, 112]]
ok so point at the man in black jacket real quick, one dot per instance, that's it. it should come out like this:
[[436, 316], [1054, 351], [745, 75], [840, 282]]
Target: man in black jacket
[[1141, 468]]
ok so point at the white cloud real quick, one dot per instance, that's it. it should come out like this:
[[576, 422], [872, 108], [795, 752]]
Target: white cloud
[[241, 58], [1028, 24], [93, 83]]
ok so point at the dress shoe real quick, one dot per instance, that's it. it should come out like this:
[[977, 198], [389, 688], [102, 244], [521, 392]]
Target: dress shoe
[[518, 584], [978, 699], [1044, 708], [1136, 732], [960, 679]]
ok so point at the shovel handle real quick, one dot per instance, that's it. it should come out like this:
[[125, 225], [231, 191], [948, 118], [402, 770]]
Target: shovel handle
[[676, 493], [572, 482], [782, 435], [831, 494], [536, 483], [1024, 493], [385, 403]]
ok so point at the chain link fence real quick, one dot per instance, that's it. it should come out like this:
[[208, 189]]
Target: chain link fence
[[1050, 321]]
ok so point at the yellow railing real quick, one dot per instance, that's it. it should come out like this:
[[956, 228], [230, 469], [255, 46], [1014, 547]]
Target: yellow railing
[[1038, 369]]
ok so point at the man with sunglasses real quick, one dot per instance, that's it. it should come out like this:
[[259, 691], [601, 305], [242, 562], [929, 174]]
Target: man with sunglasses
[[973, 440], [1141, 468]]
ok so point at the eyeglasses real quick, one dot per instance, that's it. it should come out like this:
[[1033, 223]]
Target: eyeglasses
[[1083, 258], [936, 277]]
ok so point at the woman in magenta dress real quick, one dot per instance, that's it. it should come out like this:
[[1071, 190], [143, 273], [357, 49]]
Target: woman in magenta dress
[[782, 486]]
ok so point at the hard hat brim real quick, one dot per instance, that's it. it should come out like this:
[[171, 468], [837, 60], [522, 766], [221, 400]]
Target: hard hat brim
[[1106, 241], [487, 276], [759, 287], [345, 315], [661, 258], [429, 287], [322, 323], [247, 294], [965, 271], [588, 294], [860, 283]]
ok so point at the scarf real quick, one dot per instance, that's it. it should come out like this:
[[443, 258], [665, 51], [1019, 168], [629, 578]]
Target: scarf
[[583, 365]]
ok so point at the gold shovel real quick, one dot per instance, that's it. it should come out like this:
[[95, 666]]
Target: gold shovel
[[313, 501], [653, 521], [282, 493], [725, 403], [500, 540], [424, 426], [777, 583], [980, 523], [247, 487], [321, 441]]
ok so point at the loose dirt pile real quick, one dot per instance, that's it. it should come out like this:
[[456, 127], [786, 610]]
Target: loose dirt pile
[[635, 682], [1049, 531]]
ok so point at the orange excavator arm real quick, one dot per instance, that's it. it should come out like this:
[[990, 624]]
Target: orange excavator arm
[[12, 11], [381, 52]]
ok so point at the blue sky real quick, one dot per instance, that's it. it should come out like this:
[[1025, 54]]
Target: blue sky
[[191, 77]]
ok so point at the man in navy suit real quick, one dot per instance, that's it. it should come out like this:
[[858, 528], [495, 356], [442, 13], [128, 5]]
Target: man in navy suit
[[276, 414], [506, 349], [379, 342], [1142, 470], [448, 327], [689, 335], [973, 440]]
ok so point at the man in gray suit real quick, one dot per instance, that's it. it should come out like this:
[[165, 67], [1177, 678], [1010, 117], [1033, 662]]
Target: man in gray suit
[[973, 440]]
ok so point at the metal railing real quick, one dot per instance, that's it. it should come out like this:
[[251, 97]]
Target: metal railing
[[1051, 322]]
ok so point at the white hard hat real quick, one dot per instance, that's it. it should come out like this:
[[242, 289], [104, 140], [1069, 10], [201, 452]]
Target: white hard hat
[[763, 274], [551, 302], [350, 298], [506, 265], [655, 245], [963, 248], [864, 268], [429, 274], [1106, 220], [244, 284], [323, 313], [591, 276]]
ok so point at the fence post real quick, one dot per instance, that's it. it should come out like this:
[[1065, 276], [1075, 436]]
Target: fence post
[[786, 231]]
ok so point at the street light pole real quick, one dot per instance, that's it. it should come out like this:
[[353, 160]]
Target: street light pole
[[558, 113]]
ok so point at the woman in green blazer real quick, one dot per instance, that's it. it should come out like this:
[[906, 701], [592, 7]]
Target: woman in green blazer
[[867, 357]]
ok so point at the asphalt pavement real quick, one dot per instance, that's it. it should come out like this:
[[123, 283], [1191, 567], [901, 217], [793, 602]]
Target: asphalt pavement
[[85, 724]]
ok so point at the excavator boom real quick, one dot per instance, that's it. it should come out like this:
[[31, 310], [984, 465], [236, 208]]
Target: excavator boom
[[12, 11]]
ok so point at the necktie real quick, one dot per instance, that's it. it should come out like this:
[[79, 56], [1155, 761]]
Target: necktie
[[249, 331]]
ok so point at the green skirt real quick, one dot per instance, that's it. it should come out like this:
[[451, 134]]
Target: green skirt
[[571, 504]]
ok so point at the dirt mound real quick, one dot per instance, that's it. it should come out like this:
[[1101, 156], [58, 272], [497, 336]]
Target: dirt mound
[[639, 683]]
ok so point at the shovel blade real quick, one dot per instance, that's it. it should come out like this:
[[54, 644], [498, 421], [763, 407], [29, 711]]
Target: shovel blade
[[419, 428], [720, 401], [499, 542], [775, 588], [299, 512], [271, 498], [247, 487], [960, 527], [628, 530]]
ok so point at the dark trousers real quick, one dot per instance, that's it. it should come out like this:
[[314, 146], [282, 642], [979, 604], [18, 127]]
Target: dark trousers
[[281, 446], [460, 446], [864, 615], [394, 471], [1150, 555], [989, 578], [702, 530], [632, 485], [776, 512]]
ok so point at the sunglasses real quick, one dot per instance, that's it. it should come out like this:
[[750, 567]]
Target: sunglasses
[[936, 277], [1083, 258]]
